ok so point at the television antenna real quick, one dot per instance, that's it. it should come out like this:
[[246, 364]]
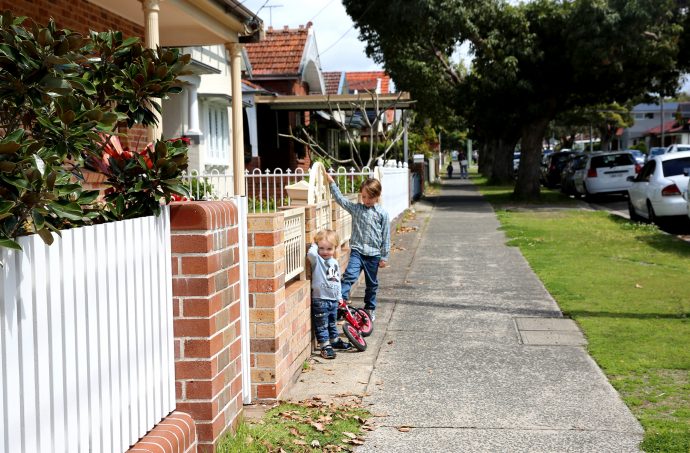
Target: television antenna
[[270, 13]]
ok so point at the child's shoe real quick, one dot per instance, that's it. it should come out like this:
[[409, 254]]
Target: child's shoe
[[327, 352], [371, 312], [340, 344]]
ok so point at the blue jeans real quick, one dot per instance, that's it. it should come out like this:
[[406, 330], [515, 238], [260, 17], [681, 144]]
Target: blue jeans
[[357, 264], [324, 313]]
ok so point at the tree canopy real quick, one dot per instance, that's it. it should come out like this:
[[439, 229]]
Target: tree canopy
[[532, 61]]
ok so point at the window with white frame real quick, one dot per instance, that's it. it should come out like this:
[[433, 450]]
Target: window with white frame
[[217, 133]]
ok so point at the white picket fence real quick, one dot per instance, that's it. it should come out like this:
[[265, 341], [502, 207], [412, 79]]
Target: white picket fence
[[86, 339], [395, 181], [266, 189]]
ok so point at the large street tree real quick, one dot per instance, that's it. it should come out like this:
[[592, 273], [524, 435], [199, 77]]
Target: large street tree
[[541, 58]]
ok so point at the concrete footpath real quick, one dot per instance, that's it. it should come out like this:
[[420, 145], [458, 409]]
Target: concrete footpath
[[470, 353]]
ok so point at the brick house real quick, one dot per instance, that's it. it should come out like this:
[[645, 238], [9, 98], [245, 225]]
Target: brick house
[[285, 63]]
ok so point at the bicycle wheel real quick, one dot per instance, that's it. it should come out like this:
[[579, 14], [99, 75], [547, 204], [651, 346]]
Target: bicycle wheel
[[354, 336], [365, 324]]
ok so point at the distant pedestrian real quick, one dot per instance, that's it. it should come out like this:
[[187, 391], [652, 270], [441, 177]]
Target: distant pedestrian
[[370, 241], [325, 292], [449, 169], [463, 166]]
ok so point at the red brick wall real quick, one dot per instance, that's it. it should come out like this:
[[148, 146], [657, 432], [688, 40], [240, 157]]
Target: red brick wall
[[77, 15], [280, 326], [206, 309], [175, 433]]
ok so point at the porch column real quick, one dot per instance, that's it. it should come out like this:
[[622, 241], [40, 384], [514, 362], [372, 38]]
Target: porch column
[[192, 86], [152, 41], [235, 51]]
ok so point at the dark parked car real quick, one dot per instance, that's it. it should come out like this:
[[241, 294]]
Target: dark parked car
[[575, 162], [552, 167]]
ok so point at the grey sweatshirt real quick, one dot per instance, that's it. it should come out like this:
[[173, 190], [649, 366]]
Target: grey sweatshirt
[[325, 275]]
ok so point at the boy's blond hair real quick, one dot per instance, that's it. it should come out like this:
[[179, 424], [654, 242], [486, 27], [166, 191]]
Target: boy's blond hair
[[330, 236], [372, 187]]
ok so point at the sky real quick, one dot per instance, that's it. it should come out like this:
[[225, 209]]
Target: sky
[[336, 36]]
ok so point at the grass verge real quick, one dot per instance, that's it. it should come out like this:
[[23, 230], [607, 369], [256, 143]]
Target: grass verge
[[308, 426], [626, 284]]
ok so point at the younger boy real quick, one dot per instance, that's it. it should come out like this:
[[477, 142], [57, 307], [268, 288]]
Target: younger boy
[[325, 286], [370, 241]]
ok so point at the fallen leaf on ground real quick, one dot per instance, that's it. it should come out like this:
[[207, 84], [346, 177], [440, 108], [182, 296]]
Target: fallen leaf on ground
[[350, 435], [637, 285], [317, 426], [404, 429]]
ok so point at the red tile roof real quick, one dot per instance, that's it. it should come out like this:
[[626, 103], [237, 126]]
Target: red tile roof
[[332, 81], [368, 80], [280, 53], [669, 126]]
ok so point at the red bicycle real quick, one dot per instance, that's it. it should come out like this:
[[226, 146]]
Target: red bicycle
[[357, 325]]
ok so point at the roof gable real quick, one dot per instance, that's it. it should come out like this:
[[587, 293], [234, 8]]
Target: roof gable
[[288, 53], [280, 53], [374, 81], [334, 81]]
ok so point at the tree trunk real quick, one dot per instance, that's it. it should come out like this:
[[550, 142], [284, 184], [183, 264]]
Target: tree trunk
[[527, 186], [502, 172], [486, 158]]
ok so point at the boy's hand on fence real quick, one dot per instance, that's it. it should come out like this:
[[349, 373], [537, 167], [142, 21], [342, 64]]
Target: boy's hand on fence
[[328, 177], [383, 263]]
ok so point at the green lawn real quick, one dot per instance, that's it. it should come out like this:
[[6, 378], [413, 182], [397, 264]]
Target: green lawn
[[628, 287]]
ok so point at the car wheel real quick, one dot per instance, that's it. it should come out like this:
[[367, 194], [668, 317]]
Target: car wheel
[[634, 216], [587, 196], [651, 215]]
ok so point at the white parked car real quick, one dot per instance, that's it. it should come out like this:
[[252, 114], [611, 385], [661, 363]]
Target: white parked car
[[677, 148], [605, 173], [657, 191]]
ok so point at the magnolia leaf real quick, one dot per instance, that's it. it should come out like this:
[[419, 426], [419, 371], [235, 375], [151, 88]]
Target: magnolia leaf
[[39, 220], [46, 235], [40, 165], [88, 197], [50, 180], [70, 211], [128, 42], [57, 85], [86, 86], [9, 147], [6, 206], [14, 136], [10, 244], [68, 117], [7, 166], [19, 183]]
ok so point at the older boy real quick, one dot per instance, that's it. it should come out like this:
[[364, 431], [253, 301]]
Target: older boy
[[369, 243]]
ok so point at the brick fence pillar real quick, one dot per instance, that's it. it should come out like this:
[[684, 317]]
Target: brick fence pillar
[[278, 313], [206, 308]]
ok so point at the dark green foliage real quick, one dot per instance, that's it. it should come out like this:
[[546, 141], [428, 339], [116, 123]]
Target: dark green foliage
[[61, 95], [531, 62]]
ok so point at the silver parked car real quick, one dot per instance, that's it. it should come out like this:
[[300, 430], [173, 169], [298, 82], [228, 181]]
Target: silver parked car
[[657, 190], [605, 173]]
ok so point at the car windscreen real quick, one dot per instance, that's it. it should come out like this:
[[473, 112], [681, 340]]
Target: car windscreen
[[612, 160], [675, 167]]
